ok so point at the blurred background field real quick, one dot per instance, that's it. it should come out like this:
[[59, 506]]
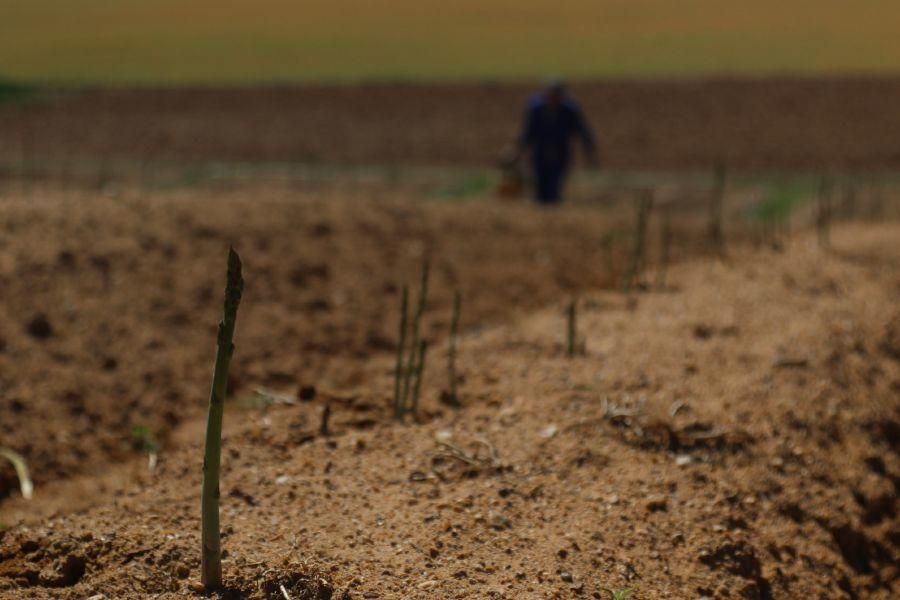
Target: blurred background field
[[264, 41]]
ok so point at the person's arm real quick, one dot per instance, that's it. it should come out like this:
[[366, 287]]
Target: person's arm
[[585, 135]]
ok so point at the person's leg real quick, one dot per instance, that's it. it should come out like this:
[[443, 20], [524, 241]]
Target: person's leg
[[559, 178], [548, 183]]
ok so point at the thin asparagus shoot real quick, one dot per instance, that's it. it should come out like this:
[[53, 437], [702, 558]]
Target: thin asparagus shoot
[[823, 216], [715, 231], [323, 424], [211, 552], [665, 244], [451, 351], [410, 369], [572, 327], [639, 251], [401, 346], [420, 366]]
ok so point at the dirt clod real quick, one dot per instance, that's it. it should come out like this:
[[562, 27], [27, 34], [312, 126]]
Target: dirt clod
[[64, 572], [39, 327]]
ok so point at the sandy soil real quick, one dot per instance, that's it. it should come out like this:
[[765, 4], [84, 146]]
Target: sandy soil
[[109, 304], [776, 123], [733, 436]]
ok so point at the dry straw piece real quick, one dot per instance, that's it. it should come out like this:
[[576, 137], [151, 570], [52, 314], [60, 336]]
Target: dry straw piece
[[18, 463]]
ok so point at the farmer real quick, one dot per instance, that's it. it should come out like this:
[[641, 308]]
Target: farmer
[[552, 119]]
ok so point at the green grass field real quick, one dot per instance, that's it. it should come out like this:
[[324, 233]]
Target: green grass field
[[251, 41]]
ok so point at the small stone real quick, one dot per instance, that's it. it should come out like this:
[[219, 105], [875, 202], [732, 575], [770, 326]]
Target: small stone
[[682, 460], [566, 576], [549, 431]]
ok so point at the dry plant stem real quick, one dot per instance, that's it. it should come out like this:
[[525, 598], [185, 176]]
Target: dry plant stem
[[572, 326], [211, 555], [401, 346], [716, 208], [411, 367], [420, 366], [18, 463], [451, 352]]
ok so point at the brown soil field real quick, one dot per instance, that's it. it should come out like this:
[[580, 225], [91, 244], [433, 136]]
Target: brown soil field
[[109, 303], [777, 123], [731, 435]]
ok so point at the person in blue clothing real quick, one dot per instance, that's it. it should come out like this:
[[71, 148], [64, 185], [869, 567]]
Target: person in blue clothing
[[552, 119]]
